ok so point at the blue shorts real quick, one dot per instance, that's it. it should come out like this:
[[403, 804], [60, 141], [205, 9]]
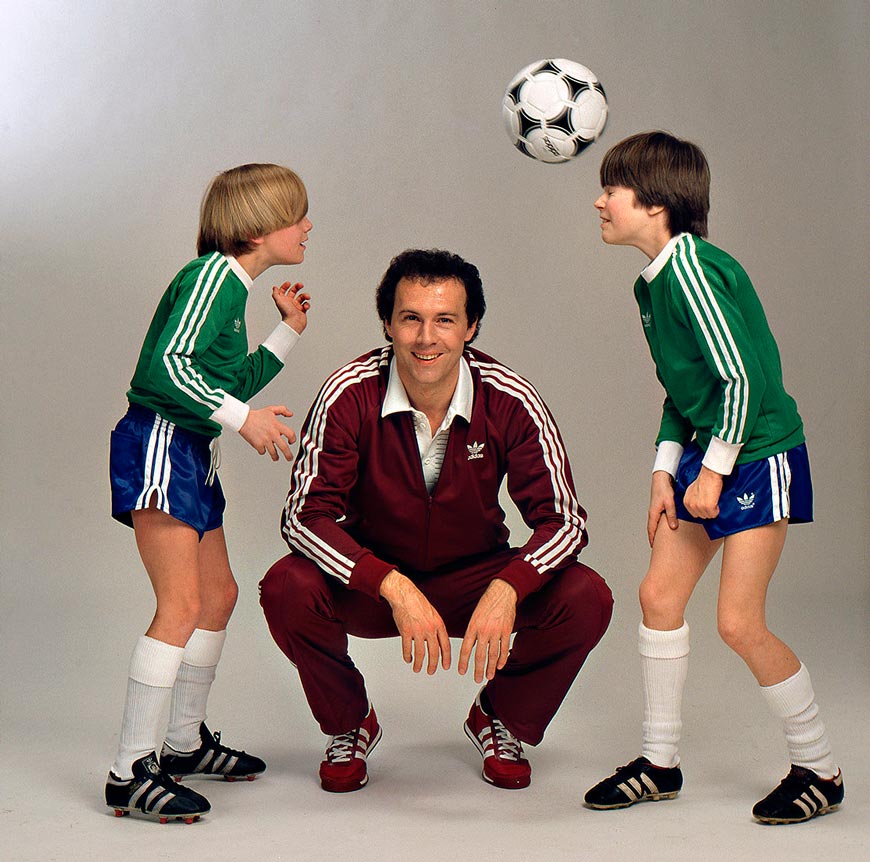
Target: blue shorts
[[755, 494], [153, 462]]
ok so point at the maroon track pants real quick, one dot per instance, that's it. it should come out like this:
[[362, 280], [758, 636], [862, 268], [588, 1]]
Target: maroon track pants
[[310, 615]]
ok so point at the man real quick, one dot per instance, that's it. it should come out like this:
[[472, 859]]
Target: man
[[395, 528]]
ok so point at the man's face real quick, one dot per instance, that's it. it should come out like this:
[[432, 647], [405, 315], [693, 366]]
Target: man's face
[[429, 329]]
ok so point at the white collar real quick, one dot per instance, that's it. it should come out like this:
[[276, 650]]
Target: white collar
[[240, 271], [654, 267], [396, 399]]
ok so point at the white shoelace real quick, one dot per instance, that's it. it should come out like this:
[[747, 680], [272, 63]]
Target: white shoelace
[[341, 747], [507, 746]]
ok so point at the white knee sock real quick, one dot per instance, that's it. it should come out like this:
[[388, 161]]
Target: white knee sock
[[153, 668], [794, 703], [192, 686], [664, 664]]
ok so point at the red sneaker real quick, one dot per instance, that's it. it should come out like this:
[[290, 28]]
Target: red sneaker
[[503, 761], [344, 767]]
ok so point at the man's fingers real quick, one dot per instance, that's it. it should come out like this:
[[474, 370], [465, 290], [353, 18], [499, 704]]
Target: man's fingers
[[465, 653], [481, 654], [504, 649], [444, 641], [407, 655]]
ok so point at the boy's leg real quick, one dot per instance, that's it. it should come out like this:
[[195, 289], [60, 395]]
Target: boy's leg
[[190, 747], [218, 593], [679, 558], [748, 563], [169, 551]]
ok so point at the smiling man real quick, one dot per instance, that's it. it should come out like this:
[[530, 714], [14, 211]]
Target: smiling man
[[395, 529]]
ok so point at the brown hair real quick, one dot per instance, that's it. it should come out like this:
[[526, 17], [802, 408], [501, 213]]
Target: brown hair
[[663, 170], [247, 202]]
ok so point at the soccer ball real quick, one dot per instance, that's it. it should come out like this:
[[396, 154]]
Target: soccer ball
[[554, 109]]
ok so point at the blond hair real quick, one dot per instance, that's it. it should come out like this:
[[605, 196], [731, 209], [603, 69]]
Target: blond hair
[[247, 202]]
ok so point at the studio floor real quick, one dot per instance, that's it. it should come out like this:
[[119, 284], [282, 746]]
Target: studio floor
[[425, 800]]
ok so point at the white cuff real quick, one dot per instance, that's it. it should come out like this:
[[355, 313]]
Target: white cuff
[[668, 456], [720, 456], [281, 341], [231, 414]]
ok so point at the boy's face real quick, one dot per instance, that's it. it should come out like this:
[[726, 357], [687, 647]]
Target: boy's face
[[287, 244], [623, 220]]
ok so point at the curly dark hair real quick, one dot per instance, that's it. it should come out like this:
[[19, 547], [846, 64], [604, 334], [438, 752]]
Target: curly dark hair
[[431, 265]]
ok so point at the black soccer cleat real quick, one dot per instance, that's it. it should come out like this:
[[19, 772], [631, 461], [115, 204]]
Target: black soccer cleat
[[800, 796], [153, 793], [211, 758], [638, 781]]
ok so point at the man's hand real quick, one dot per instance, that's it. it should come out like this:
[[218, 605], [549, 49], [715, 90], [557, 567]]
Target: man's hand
[[661, 502], [419, 624], [702, 496], [293, 305], [490, 628], [266, 434]]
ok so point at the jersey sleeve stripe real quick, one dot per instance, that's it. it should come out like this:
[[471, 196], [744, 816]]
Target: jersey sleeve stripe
[[719, 338], [176, 356]]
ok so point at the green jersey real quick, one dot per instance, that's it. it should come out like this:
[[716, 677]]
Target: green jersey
[[715, 356], [194, 368]]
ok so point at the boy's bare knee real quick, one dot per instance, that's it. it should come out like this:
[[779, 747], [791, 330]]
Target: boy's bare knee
[[738, 634]]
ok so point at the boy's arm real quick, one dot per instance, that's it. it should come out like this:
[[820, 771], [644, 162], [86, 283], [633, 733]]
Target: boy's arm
[[711, 310], [202, 310]]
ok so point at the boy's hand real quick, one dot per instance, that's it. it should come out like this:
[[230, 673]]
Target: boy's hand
[[702, 496], [661, 502], [266, 434], [292, 305]]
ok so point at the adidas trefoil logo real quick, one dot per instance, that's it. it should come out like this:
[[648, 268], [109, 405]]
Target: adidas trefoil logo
[[237, 324], [475, 450], [747, 501], [646, 317]]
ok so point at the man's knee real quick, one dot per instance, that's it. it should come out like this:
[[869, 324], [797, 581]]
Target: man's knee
[[585, 600], [289, 588]]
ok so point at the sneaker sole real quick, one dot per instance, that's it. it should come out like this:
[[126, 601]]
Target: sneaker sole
[[650, 797], [782, 821], [178, 776], [504, 784], [162, 818], [331, 785]]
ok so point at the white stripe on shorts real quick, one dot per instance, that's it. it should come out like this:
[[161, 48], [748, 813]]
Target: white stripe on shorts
[[158, 467], [780, 479]]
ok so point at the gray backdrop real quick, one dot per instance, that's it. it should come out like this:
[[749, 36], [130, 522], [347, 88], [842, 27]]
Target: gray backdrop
[[115, 115]]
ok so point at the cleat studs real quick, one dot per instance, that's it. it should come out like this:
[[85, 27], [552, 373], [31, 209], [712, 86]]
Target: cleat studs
[[251, 777], [189, 820], [119, 813], [164, 819], [229, 778]]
